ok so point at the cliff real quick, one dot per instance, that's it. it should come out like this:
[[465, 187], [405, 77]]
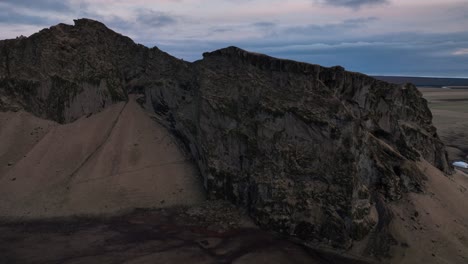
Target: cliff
[[313, 152]]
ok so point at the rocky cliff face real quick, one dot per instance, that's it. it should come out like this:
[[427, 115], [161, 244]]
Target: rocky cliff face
[[309, 151], [64, 72]]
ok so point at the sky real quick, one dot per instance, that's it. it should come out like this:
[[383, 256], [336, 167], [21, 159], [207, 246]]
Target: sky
[[376, 37]]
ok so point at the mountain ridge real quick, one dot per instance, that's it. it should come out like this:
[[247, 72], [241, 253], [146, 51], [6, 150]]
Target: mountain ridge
[[313, 152]]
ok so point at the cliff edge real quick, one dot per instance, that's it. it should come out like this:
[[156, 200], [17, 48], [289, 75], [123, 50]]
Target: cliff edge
[[313, 152]]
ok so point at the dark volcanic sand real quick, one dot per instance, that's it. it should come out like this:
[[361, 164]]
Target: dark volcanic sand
[[161, 236]]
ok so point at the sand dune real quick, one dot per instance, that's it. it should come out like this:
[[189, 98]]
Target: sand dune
[[110, 162], [20, 132], [433, 226]]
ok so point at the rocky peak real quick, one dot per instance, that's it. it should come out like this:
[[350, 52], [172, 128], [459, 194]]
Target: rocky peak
[[71, 70], [89, 23]]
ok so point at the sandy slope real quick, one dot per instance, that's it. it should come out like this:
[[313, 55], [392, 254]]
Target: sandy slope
[[19, 132], [113, 161], [433, 226]]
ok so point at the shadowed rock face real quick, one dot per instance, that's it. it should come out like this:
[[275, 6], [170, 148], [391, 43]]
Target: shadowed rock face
[[309, 151]]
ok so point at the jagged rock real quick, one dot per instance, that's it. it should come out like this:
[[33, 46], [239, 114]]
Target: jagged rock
[[308, 151]]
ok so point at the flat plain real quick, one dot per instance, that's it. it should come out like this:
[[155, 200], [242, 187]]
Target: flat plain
[[450, 115]]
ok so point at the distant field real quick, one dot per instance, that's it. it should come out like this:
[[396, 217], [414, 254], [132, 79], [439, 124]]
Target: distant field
[[457, 83], [450, 115], [455, 87], [455, 100]]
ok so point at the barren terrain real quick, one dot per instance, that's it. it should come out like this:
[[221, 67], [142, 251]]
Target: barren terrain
[[450, 115], [432, 227], [213, 232], [107, 163]]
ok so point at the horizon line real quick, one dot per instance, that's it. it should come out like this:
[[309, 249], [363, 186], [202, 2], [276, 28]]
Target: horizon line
[[413, 76]]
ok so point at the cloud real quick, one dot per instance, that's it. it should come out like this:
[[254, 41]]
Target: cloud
[[10, 16], [111, 21], [221, 29], [264, 24], [41, 5], [461, 52], [360, 21], [155, 18], [403, 53], [337, 30], [355, 3], [39, 13]]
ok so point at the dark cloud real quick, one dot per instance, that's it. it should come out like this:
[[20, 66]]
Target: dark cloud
[[355, 3], [332, 30], [155, 19], [377, 58], [264, 24], [114, 22], [221, 29], [117, 23], [360, 21], [41, 5], [405, 53], [10, 16], [31, 12]]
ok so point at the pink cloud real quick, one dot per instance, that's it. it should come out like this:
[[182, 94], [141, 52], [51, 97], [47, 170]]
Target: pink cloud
[[461, 52]]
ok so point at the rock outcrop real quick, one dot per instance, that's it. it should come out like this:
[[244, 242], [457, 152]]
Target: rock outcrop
[[308, 151]]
